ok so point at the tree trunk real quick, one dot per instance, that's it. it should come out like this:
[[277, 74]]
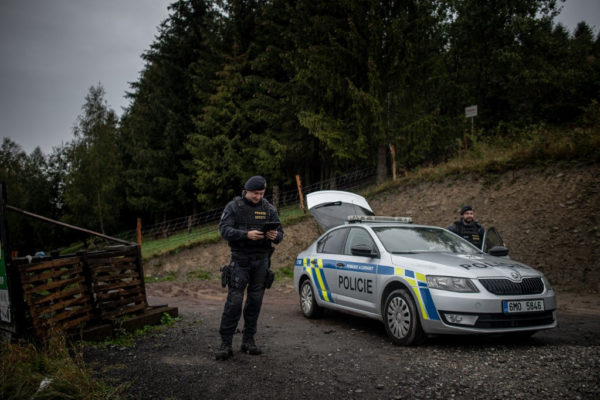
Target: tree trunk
[[100, 217], [381, 164]]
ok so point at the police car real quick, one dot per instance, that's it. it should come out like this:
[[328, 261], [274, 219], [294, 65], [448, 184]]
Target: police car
[[418, 280]]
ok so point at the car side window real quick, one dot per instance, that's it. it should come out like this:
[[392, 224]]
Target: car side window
[[358, 236], [333, 243], [492, 238]]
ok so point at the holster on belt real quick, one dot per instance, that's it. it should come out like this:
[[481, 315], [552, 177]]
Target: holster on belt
[[270, 274], [226, 274]]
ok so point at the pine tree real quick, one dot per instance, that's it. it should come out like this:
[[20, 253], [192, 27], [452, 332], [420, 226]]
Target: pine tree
[[91, 192], [172, 89]]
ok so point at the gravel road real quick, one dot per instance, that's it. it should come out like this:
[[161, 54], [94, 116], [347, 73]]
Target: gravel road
[[348, 357]]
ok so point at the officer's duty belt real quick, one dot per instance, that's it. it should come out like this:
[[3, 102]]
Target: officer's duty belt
[[244, 258]]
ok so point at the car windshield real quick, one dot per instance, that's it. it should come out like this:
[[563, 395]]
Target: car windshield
[[407, 239]]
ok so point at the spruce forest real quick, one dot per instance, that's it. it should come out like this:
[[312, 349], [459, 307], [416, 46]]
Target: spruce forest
[[234, 88]]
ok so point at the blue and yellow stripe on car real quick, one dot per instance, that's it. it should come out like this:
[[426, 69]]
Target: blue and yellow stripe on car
[[316, 272], [418, 284]]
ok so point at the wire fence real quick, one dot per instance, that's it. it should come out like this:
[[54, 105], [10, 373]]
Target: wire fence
[[207, 221]]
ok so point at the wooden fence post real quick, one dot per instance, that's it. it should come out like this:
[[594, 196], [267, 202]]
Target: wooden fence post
[[393, 157], [300, 195], [139, 232]]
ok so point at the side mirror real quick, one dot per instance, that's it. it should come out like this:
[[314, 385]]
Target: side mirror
[[362, 250], [498, 251]]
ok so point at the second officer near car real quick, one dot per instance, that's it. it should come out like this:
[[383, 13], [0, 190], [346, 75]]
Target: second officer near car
[[467, 228], [243, 225]]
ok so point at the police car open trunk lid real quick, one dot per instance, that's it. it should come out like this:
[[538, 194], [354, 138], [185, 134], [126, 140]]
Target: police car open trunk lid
[[331, 208]]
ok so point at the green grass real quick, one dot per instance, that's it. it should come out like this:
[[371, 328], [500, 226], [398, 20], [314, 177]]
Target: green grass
[[202, 235], [168, 277], [207, 234], [199, 275], [284, 273]]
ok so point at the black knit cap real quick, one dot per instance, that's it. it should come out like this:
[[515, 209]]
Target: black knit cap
[[256, 183], [465, 209]]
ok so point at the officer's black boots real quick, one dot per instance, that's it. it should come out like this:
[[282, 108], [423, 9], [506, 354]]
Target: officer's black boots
[[248, 346], [224, 352]]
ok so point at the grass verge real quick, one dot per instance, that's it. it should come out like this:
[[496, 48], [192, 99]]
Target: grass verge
[[50, 371], [208, 234]]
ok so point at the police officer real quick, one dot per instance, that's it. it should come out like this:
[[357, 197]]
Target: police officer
[[467, 227], [251, 249]]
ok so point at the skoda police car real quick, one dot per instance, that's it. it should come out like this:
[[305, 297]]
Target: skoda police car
[[418, 280]]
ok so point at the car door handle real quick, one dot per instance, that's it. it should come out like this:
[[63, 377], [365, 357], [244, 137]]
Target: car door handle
[[340, 264], [313, 261]]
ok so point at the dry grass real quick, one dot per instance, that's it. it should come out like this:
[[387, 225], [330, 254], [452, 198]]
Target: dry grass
[[49, 371], [497, 154]]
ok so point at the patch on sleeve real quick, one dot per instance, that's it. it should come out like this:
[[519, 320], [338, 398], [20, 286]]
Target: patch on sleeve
[[226, 214]]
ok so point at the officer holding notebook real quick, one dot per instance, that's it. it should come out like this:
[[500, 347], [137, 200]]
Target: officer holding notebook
[[250, 224]]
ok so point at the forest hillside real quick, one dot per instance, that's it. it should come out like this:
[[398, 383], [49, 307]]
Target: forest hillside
[[549, 218]]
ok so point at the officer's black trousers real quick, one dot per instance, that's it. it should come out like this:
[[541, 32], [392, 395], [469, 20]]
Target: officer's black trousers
[[251, 274]]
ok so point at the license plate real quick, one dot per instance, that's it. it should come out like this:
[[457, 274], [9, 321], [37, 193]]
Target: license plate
[[521, 306]]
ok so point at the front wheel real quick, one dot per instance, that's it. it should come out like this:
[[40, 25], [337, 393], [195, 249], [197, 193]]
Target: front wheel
[[401, 319], [308, 303]]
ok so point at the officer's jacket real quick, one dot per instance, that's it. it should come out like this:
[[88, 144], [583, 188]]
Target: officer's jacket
[[240, 216], [472, 232]]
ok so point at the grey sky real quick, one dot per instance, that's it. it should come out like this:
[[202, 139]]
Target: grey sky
[[53, 51]]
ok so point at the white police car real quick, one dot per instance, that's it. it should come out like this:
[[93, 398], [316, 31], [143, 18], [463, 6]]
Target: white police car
[[419, 280]]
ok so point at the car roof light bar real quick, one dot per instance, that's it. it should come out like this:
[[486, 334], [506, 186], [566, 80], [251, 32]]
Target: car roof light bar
[[372, 218]]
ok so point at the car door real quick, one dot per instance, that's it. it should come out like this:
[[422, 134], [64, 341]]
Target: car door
[[493, 240], [322, 267], [356, 282]]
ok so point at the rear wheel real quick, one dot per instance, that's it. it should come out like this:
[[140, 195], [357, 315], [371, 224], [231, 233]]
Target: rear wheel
[[308, 302], [401, 319]]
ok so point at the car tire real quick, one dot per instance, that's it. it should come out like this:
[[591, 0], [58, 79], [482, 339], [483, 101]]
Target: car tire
[[308, 302], [401, 319]]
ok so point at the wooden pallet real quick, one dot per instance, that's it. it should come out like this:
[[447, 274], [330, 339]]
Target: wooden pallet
[[57, 294], [84, 290], [117, 286]]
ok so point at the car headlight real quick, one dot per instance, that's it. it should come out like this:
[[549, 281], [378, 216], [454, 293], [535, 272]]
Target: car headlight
[[451, 283]]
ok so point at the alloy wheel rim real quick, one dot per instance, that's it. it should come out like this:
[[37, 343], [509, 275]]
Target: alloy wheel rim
[[398, 317], [306, 299]]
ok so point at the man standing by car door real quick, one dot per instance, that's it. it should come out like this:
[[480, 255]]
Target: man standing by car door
[[241, 225], [468, 228]]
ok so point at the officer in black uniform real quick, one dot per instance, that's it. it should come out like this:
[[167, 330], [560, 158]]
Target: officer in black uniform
[[468, 228], [241, 225]]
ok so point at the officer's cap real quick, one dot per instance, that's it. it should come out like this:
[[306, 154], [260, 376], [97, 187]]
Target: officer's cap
[[465, 209], [255, 183]]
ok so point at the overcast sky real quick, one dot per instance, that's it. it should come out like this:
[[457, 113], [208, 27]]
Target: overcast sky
[[53, 51]]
